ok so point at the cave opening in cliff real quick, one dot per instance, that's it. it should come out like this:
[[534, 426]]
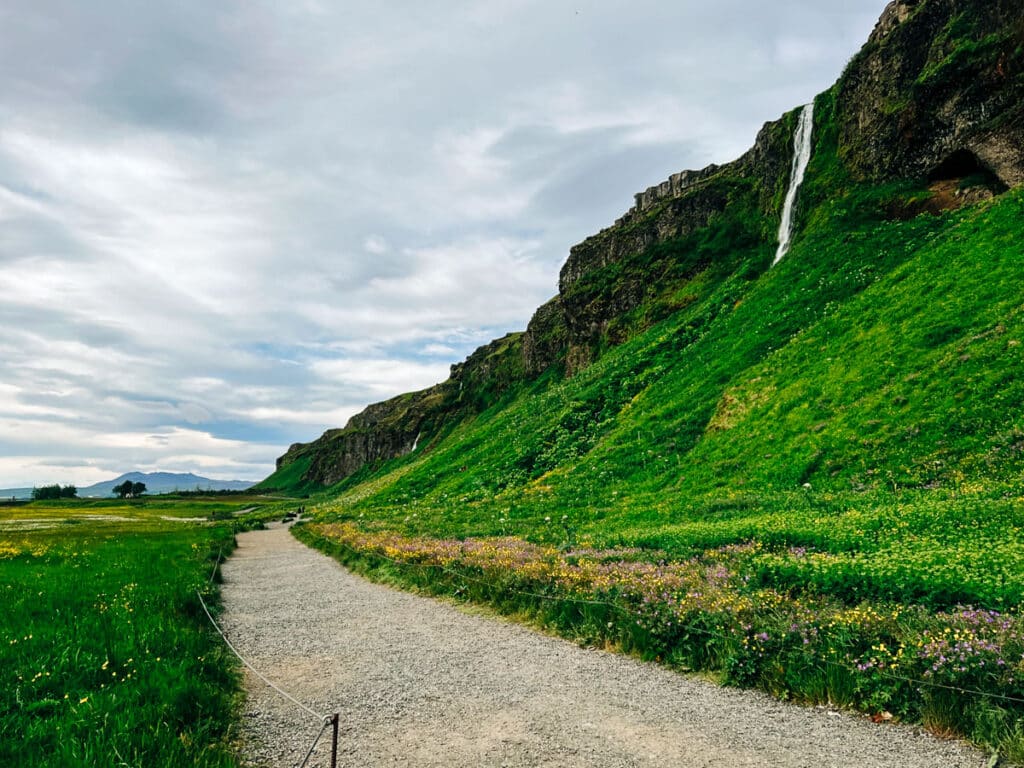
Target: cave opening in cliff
[[965, 166]]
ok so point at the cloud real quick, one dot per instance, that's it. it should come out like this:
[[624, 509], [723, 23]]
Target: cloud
[[81, 455], [375, 244], [226, 228], [379, 379]]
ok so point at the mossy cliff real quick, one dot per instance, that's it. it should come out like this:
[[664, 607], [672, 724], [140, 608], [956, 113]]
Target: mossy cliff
[[397, 426], [938, 89], [927, 117]]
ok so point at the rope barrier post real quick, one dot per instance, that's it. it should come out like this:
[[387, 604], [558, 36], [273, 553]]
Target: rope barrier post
[[334, 741]]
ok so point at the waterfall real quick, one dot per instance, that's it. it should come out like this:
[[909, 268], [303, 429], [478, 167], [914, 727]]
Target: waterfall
[[415, 442], [801, 156]]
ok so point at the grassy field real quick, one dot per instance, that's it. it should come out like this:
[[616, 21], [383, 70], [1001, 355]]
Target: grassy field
[[108, 658]]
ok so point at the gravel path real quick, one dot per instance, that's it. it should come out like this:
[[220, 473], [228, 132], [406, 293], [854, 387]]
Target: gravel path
[[421, 683]]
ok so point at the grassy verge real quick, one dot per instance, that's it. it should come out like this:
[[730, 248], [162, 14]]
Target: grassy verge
[[108, 658], [958, 670]]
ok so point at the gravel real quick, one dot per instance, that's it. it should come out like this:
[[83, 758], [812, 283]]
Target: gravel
[[419, 682]]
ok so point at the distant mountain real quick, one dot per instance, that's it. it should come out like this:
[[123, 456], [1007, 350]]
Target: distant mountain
[[163, 482], [15, 493]]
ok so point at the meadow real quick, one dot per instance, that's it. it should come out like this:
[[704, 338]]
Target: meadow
[[108, 658]]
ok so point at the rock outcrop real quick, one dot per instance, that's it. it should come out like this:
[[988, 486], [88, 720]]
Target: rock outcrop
[[384, 430], [674, 209], [405, 423], [938, 81], [546, 337]]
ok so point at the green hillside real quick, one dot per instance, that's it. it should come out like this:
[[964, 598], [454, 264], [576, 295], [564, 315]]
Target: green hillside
[[882, 354], [819, 466], [879, 363]]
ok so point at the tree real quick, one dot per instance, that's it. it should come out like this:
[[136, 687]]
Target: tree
[[50, 492], [129, 490], [46, 492]]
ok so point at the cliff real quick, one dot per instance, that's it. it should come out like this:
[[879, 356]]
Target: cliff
[[405, 423], [934, 101], [937, 91]]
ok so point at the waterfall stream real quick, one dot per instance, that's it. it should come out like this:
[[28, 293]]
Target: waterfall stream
[[801, 156]]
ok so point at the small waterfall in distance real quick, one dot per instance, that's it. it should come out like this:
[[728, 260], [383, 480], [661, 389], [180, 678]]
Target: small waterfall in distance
[[801, 156]]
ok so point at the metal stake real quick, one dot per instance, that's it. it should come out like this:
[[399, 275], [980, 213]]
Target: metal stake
[[334, 741]]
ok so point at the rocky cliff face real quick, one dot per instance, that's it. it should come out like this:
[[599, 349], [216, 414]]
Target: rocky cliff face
[[544, 342], [938, 90], [936, 94], [408, 422], [673, 210], [383, 430]]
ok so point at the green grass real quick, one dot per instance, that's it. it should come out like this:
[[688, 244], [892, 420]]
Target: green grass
[[108, 658], [288, 477]]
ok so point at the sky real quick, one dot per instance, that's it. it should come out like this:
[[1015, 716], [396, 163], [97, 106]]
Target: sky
[[226, 227]]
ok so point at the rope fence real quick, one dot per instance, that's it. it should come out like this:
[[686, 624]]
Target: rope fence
[[324, 720], [626, 611], [216, 565]]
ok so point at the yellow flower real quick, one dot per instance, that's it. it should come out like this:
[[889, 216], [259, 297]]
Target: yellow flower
[[83, 700]]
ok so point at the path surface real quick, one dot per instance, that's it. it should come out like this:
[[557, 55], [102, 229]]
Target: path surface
[[420, 683]]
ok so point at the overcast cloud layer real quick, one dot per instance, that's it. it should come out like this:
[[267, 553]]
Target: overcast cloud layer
[[226, 227]]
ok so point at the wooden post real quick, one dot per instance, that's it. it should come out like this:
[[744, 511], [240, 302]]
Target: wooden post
[[334, 741]]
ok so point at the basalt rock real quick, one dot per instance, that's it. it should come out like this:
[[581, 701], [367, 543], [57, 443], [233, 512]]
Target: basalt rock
[[402, 424], [544, 342], [674, 209], [382, 431], [938, 89]]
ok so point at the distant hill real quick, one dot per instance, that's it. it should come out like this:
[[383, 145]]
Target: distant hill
[[15, 493], [156, 482], [163, 482]]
